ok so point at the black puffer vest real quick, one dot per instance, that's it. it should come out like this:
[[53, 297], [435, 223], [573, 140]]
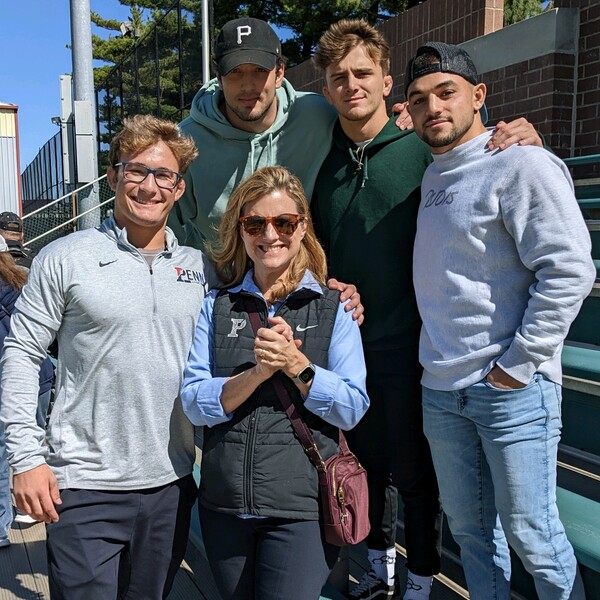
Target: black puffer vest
[[254, 464]]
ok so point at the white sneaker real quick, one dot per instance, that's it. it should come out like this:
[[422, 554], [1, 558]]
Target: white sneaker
[[24, 518]]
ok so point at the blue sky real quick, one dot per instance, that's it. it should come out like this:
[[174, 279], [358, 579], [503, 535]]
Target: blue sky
[[33, 39]]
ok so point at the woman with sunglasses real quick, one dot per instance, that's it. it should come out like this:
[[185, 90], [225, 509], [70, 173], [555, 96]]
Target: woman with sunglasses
[[258, 496]]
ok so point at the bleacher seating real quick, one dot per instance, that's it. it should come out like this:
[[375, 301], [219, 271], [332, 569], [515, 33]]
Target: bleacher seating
[[580, 509]]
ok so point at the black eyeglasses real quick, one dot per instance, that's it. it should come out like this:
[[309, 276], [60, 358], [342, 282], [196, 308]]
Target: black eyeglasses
[[284, 224], [137, 172]]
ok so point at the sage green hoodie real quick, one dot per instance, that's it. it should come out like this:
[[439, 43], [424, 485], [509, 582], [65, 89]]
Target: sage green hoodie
[[299, 139]]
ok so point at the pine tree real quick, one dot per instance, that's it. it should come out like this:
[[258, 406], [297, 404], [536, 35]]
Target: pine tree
[[142, 74], [517, 10], [307, 21]]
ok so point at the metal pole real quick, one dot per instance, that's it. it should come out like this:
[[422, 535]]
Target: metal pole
[[180, 61], [83, 70], [205, 42], [86, 129]]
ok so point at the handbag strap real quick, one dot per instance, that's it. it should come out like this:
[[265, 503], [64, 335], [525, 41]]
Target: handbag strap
[[301, 429]]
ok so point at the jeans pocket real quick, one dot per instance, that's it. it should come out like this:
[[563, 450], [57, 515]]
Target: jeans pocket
[[532, 382]]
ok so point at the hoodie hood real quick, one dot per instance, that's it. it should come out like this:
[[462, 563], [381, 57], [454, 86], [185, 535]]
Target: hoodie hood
[[206, 112]]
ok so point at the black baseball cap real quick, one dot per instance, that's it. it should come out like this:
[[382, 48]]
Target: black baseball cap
[[452, 59], [10, 221], [246, 41]]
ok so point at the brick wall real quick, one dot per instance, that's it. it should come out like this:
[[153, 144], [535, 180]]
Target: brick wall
[[451, 21], [540, 89]]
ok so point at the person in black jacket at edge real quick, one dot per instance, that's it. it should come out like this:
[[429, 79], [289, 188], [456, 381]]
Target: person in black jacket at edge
[[11, 229]]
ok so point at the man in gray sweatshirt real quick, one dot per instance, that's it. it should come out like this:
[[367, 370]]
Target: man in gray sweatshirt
[[112, 475], [501, 266]]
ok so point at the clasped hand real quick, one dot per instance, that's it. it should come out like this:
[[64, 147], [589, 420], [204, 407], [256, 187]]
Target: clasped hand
[[276, 349]]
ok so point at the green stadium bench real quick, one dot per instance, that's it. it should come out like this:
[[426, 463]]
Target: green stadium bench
[[585, 329], [330, 593], [588, 202], [581, 518], [594, 229], [581, 361]]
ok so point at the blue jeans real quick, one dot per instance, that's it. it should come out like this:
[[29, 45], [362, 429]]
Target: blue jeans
[[495, 453], [6, 508]]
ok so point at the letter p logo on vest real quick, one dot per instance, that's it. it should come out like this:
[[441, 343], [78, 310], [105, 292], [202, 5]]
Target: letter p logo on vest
[[236, 325]]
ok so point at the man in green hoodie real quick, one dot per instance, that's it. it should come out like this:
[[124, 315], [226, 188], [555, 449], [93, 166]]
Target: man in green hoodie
[[365, 207], [247, 118]]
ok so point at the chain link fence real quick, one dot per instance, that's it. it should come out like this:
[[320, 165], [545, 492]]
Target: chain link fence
[[43, 179]]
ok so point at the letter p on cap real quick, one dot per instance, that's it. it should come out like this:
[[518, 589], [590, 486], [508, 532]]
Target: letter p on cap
[[243, 30]]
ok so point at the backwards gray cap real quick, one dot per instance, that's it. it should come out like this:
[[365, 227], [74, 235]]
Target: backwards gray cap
[[452, 59]]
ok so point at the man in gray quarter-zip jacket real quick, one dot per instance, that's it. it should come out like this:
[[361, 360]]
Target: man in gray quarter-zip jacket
[[112, 475]]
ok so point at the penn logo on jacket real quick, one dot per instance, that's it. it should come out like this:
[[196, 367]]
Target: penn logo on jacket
[[191, 276], [236, 325]]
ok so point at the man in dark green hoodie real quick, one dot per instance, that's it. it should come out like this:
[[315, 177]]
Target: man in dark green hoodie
[[365, 209]]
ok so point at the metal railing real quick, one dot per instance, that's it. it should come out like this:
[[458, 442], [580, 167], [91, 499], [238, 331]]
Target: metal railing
[[62, 216]]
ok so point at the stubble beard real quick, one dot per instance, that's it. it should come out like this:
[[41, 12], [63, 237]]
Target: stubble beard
[[438, 141], [246, 114]]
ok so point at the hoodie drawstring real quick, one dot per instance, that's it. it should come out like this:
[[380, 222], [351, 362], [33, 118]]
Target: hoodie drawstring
[[270, 150], [358, 155], [252, 167]]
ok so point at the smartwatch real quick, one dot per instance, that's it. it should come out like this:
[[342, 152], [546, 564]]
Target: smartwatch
[[306, 375]]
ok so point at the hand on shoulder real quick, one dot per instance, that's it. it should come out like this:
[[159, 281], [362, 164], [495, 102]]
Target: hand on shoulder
[[520, 131]]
